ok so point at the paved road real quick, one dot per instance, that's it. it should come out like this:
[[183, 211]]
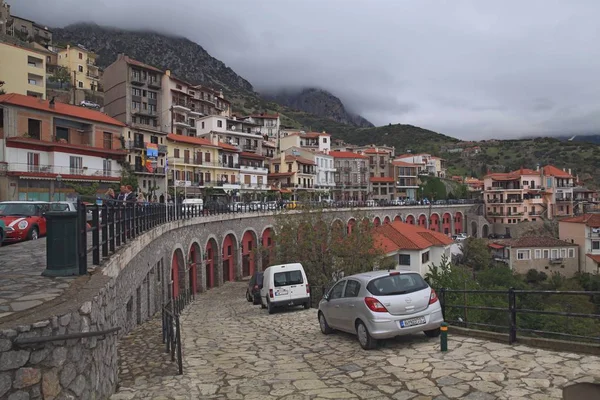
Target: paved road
[[234, 350]]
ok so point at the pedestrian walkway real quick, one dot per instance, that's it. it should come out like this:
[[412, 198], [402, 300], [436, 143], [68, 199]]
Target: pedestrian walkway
[[234, 350]]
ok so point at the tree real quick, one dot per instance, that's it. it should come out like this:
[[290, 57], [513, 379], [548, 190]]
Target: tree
[[475, 253], [2, 90], [325, 249], [61, 75], [128, 177], [433, 188]]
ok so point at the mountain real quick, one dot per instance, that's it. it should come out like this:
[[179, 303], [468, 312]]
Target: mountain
[[184, 58], [318, 102], [581, 138]]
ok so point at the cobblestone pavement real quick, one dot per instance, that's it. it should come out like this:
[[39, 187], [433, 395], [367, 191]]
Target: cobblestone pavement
[[233, 350], [21, 284]]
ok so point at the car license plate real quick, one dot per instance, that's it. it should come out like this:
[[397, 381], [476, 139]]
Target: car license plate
[[281, 292], [407, 323]]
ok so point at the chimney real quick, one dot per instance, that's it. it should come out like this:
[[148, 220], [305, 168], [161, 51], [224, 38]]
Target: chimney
[[570, 172], [282, 160], [51, 104], [214, 139], [168, 72]]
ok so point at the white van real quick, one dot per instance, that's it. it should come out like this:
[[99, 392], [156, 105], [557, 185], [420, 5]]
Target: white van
[[189, 204], [284, 285]]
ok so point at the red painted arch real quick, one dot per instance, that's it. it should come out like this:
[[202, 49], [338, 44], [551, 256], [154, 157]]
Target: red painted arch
[[248, 254], [410, 220], [458, 223], [377, 221], [193, 272], [397, 218], [386, 220], [422, 220], [175, 274], [435, 223], [211, 253], [447, 223], [228, 258], [268, 245], [351, 225]]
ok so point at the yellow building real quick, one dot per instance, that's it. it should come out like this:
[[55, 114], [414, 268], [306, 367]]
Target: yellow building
[[197, 163], [81, 64], [23, 70]]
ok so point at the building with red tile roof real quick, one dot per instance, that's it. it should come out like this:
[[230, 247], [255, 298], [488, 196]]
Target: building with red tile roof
[[411, 247], [427, 163], [583, 230], [351, 176]]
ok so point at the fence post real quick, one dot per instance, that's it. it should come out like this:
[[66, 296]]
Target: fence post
[[512, 309], [95, 234], [104, 224], [443, 302], [178, 338]]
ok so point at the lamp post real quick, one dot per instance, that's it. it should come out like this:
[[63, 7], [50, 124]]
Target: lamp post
[[59, 181]]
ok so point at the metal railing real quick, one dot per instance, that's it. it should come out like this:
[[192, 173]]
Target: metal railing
[[171, 331], [515, 308]]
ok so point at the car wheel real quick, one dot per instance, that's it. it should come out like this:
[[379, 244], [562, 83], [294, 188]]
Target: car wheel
[[432, 333], [248, 297], [33, 233], [364, 337], [270, 307], [325, 328], [307, 305]]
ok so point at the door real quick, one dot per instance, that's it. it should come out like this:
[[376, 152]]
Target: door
[[226, 270], [331, 308], [349, 305], [281, 288], [297, 285]]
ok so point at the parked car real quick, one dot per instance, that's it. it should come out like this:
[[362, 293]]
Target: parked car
[[253, 289], [284, 286], [24, 220], [381, 305], [68, 206], [237, 206], [89, 104], [460, 237], [255, 206], [271, 205]]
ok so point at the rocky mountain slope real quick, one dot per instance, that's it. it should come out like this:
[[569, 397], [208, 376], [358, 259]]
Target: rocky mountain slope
[[318, 102]]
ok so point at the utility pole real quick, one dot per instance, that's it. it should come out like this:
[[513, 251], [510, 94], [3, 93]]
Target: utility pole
[[172, 119], [74, 85]]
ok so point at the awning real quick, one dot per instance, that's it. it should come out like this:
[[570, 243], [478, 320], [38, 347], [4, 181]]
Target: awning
[[496, 246]]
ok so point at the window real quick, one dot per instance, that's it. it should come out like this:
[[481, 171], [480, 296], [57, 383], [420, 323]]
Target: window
[[152, 95], [107, 140], [554, 254], [595, 245], [288, 278], [219, 124], [546, 253], [425, 257], [404, 259], [80, 68], [178, 87], [136, 92], [76, 165], [206, 157], [538, 253], [563, 253], [207, 177], [106, 167], [62, 133], [352, 288], [571, 253], [176, 153], [34, 128], [337, 290], [80, 84], [33, 162], [32, 81], [523, 254], [80, 56], [389, 285], [135, 105]]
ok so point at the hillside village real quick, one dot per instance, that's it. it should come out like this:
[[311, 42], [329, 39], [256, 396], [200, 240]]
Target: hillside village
[[71, 128]]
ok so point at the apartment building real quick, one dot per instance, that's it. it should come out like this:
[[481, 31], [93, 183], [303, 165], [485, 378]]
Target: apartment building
[[23, 68], [351, 176], [411, 247], [427, 164], [22, 28], [4, 17], [381, 177], [313, 141], [81, 64], [584, 231], [133, 95], [527, 195], [269, 125], [406, 180], [292, 172], [232, 131], [544, 254], [324, 180], [47, 148], [253, 176]]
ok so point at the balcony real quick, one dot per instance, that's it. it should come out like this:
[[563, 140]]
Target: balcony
[[134, 144], [143, 170], [230, 165], [253, 169], [250, 148], [154, 83], [92, 75], [181, 106], [56, 171], [255, 186], [181, 123], [147, 112], [136, 79], [162, 149], [564, 199], [556, 261]]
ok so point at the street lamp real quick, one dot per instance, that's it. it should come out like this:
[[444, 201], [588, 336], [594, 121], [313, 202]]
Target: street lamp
[[59, 180]]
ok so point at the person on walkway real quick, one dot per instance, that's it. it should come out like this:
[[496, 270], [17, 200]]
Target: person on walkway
[[110, 195], [121, 196], [141, 198], [129, 195]]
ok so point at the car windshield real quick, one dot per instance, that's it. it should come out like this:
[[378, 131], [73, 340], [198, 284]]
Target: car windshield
[[18, 209], [288, 278], [59, 207], [391, 285]]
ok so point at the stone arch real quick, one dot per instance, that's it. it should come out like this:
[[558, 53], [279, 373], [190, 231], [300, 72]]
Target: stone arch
[[458, 222], [366, 222], [485, 231], [249, 247], [195, 263], [410, 219], [268, 246], [351, 225], [422, 220], [447, 223], [434, 222], [212, 262], [398, 218], [377, 221], [474, 229], [177, 272], [229, 257], [337, 226], [386, 220]]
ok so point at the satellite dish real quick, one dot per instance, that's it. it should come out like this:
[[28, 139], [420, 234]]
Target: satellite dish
[[232, 127]]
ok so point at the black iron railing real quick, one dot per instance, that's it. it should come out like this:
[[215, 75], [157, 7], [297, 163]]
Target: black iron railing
[[171, 330], [513, 311], [184, 298]]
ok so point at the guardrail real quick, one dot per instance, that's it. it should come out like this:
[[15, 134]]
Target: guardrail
[[171, 331], [507, 306]]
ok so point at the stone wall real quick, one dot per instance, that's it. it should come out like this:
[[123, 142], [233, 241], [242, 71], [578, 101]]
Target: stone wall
[[127, 290]]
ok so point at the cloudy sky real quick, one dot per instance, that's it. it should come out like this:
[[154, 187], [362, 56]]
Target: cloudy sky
[[471, 69]]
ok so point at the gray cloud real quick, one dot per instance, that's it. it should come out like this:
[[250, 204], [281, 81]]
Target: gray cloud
[[468, 68]]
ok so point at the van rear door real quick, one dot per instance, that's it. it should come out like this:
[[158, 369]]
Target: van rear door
[[283, 280], [297, 284]]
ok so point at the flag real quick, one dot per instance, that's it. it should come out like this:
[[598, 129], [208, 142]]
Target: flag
[[166, 165], [149, 166]]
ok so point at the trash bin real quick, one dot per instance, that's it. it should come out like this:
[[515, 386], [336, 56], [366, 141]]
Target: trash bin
[[61, 244]]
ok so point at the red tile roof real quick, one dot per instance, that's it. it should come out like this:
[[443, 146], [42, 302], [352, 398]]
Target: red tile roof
[[190, 140], [591, 220], [403, 164], [381, 179], [69, 110], [534, 241], [301, 160], [245, 154], [496, 246], [551, 170], [513, 175], [376, 151], [229, 147], [346, 154], [402, 236], [140, 64], [310, 135], [279, 174], [594, 257]]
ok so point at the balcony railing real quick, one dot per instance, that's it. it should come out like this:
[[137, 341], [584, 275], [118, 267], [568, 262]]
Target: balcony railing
[[253, 168], [61, 170], [569, 199], [92, 75], [248, 147], [255, 186], [143, 169]]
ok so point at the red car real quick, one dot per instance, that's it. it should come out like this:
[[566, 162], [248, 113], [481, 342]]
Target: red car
[[23, 220]]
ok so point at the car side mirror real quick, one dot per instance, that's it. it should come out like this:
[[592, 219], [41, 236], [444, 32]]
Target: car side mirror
[[326, 297]]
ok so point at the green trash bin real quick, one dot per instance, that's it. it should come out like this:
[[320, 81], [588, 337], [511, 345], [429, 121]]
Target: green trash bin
[[61, 244]]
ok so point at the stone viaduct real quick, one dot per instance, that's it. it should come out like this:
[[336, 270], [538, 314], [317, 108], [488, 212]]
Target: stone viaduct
[[130, 287]]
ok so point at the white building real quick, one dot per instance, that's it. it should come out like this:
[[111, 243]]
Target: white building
[[325, 180], [427, 164], [412, 247], [313, 141], [253, 175], [240, 133], [268, 124]]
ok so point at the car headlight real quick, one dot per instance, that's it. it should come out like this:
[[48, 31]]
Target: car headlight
[[23, 225]]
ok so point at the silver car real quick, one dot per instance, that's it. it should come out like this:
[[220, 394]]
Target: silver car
[[380, 305]]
